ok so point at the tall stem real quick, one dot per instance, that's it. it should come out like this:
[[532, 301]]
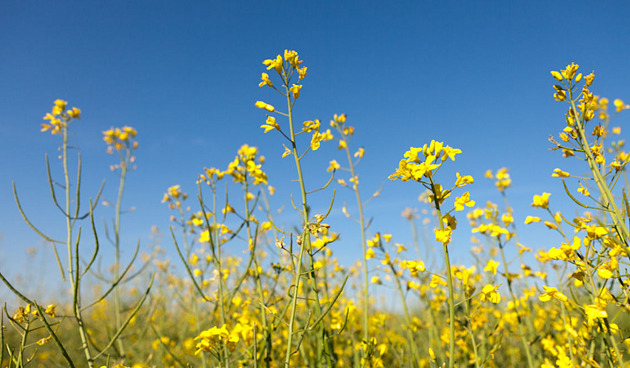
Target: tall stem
[[72, 264], [305, 245], [366, 299], [121, 187], [451, 294]]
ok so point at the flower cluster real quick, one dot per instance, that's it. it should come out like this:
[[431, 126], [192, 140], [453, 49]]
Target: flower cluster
[[60, 117], [286, 67], [247, 164], [120, 138], [213, 340], [174, 197], [422, 162]]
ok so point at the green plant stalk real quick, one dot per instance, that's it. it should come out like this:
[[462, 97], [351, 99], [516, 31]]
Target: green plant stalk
[[608, 198], [305, 244], [259, 288], [297, 276], [20, 357], [71, 265], [121, 187], [218, 263], [472, 335], [608, 339], [451, 292], [366, 301], [521, 329], [569, 338], [412, 341], [599, 179]]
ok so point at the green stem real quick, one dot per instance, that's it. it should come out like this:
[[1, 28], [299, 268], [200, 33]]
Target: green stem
[[412, 342], [117, 307], [71, 262], [451, 293], [305, 244], [521, 329], [366, 299]]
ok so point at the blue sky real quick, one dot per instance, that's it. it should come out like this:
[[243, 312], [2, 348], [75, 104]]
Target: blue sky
[[185, 74]]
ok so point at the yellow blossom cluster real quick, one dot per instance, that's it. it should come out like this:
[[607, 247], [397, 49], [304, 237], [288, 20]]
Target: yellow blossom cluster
[[120, 138], [59, 117], [213, 339]]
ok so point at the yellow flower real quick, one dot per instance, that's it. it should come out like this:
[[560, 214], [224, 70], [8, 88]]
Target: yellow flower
[[437, 281], [74, 113], [560, 174], [462, 201], [270, 124], [569, 72], [594, 311], [551, 292], [286, 152], [310, 125], [413, 266], [266, 106], [463, 180], [490, 293], [295, 90], [443, 236], [557, 75], [292, 57], [541, 201], [491, 266], [583, 190], [302, 72], [530, 219], [275, 64], [265, 80], [334, 165], [619, 105]]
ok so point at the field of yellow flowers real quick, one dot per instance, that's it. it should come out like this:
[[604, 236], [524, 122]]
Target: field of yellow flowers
[[289, 302]]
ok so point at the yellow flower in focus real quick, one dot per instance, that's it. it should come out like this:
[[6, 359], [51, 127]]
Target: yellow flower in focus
[[583, 190], [275, 64], [265, 106], [292, 57], [310, 125], [265, 80], [270, 124], [462, 201], [570, 71], [463, 180], [443, 236], [557, 173], [557, 75], [295, 90]]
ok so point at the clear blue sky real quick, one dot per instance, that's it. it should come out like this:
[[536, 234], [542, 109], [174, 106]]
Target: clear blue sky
[[474, 74]]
